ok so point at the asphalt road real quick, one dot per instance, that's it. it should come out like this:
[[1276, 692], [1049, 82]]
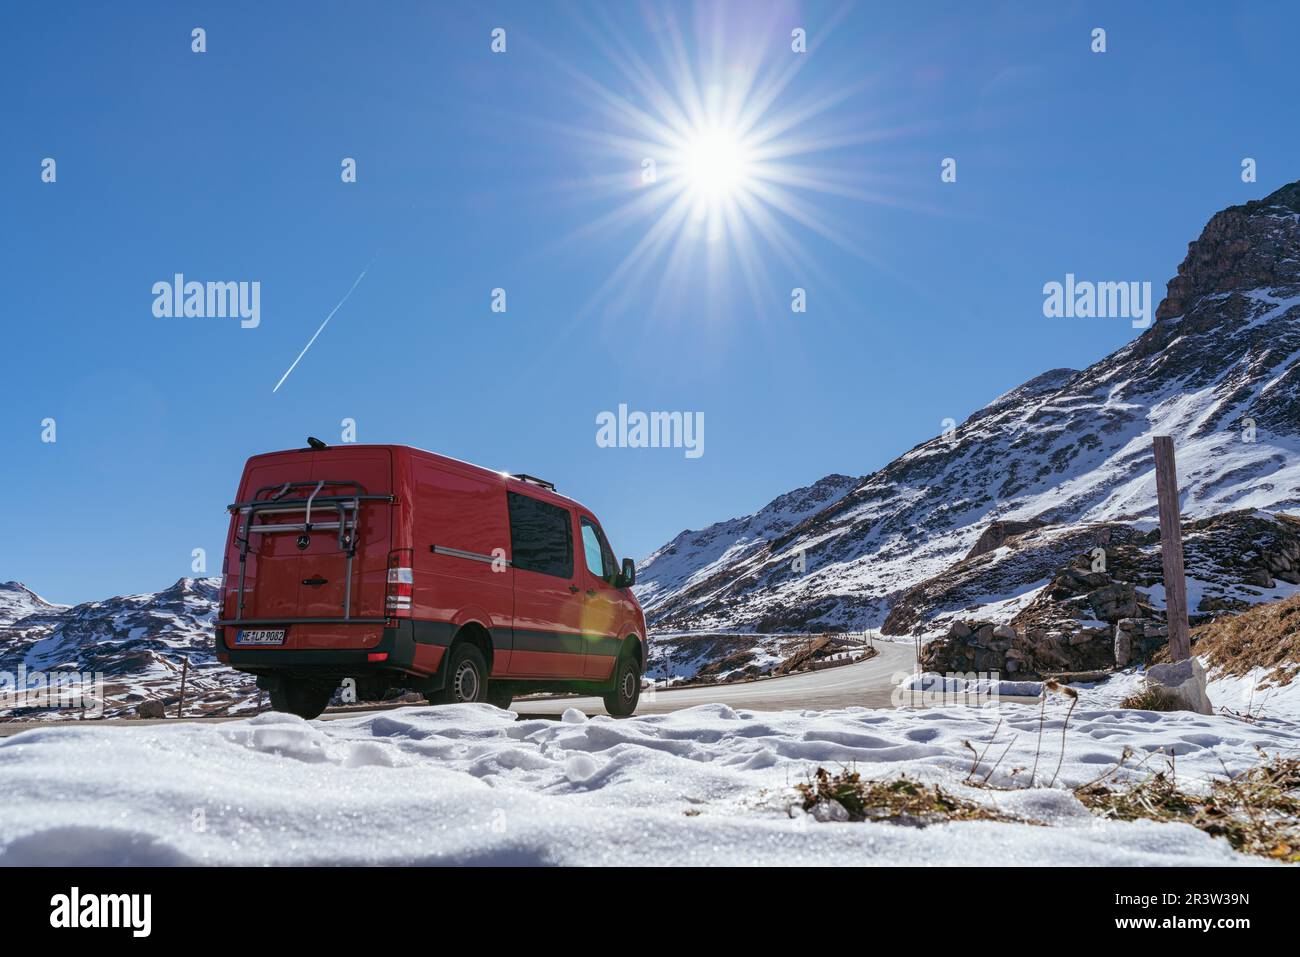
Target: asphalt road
[[867, 684]]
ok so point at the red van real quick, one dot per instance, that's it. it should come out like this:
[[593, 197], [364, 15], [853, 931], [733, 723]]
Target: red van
[[396, 567]]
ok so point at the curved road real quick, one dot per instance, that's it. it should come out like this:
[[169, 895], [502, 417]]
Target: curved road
[[867, 684]]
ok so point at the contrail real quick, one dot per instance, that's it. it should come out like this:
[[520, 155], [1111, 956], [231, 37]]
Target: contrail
[[324, 324]]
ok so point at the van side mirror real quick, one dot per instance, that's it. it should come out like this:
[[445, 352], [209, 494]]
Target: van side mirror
[[627, 578]]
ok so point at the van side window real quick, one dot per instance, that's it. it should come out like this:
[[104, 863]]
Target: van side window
[[541, 536], [591, 550], [596, 551]]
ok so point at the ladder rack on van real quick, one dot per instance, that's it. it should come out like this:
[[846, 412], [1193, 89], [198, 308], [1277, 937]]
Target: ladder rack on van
[[534, 480], [346, 507]]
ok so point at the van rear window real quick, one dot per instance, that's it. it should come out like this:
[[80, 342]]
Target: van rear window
[[541, 536]]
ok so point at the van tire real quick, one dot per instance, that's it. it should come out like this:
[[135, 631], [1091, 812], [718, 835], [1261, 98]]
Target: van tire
[[499, 698], [466, 676], [621, 700], [301, 696]]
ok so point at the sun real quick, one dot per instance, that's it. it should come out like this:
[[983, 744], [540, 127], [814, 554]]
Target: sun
[[721, 167], [716, 166]]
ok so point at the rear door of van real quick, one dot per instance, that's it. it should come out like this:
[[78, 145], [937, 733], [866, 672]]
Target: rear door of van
[[291, 572]]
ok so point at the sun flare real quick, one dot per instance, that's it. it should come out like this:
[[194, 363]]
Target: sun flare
[[721, 166], [716, 166]]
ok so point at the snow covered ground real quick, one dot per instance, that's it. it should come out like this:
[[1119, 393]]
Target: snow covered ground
[[1250, 694], [706, 785]]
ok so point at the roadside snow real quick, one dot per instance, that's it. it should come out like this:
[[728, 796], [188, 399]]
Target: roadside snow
[[707, 785], [1246, 695], [930, 681]]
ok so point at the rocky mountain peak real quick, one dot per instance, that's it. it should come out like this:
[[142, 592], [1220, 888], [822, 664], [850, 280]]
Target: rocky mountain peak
[[1252, 246], [1069, 449]]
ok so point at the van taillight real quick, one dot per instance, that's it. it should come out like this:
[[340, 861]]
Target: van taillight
[[401, 583]]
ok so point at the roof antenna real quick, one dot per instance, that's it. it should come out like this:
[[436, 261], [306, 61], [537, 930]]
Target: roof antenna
[[316, 443]]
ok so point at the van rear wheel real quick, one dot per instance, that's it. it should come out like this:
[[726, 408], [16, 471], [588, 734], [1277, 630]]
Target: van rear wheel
[[621, 700], [301, 696], [466, 677]]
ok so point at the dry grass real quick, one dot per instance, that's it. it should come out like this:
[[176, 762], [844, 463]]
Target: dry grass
[[1266, 636], [1257, 812], [900, 800], [1153, 698]]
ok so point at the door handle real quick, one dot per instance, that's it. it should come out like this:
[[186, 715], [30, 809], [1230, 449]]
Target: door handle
[[315, 581], [574, 589]]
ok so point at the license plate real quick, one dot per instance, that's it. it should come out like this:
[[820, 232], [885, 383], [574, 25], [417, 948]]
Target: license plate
[[261, 636]]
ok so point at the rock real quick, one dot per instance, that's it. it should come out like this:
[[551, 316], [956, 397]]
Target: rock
[[829, 811], [959, 630], [1185, 680], [1012, 665], [1113, 602], [1080, 637], [1004, 631], [996, 535], [1123, 648], [151, 709], [1073, 581], [1258, 577]]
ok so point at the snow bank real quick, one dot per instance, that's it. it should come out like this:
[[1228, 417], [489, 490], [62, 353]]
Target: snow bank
[[933, 683], [470, 784], [1245, 695]]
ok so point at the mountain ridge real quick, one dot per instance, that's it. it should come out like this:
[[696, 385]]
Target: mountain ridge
[[1217, 370], [138, 643]]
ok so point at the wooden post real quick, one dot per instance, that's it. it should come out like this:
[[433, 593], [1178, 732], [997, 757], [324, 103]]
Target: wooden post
[[185, 671], [1171, 549]]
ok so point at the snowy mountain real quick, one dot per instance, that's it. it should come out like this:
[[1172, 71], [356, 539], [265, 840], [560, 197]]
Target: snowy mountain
[[692, 557], [18, 601], [1219, 370], [137, 642], [1232, 561]]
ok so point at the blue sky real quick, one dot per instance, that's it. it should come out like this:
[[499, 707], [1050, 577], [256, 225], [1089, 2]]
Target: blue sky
[[479, 170]]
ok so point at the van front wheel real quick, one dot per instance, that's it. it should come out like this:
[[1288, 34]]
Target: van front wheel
[[466, 677], [622, 698], [300, 696]]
